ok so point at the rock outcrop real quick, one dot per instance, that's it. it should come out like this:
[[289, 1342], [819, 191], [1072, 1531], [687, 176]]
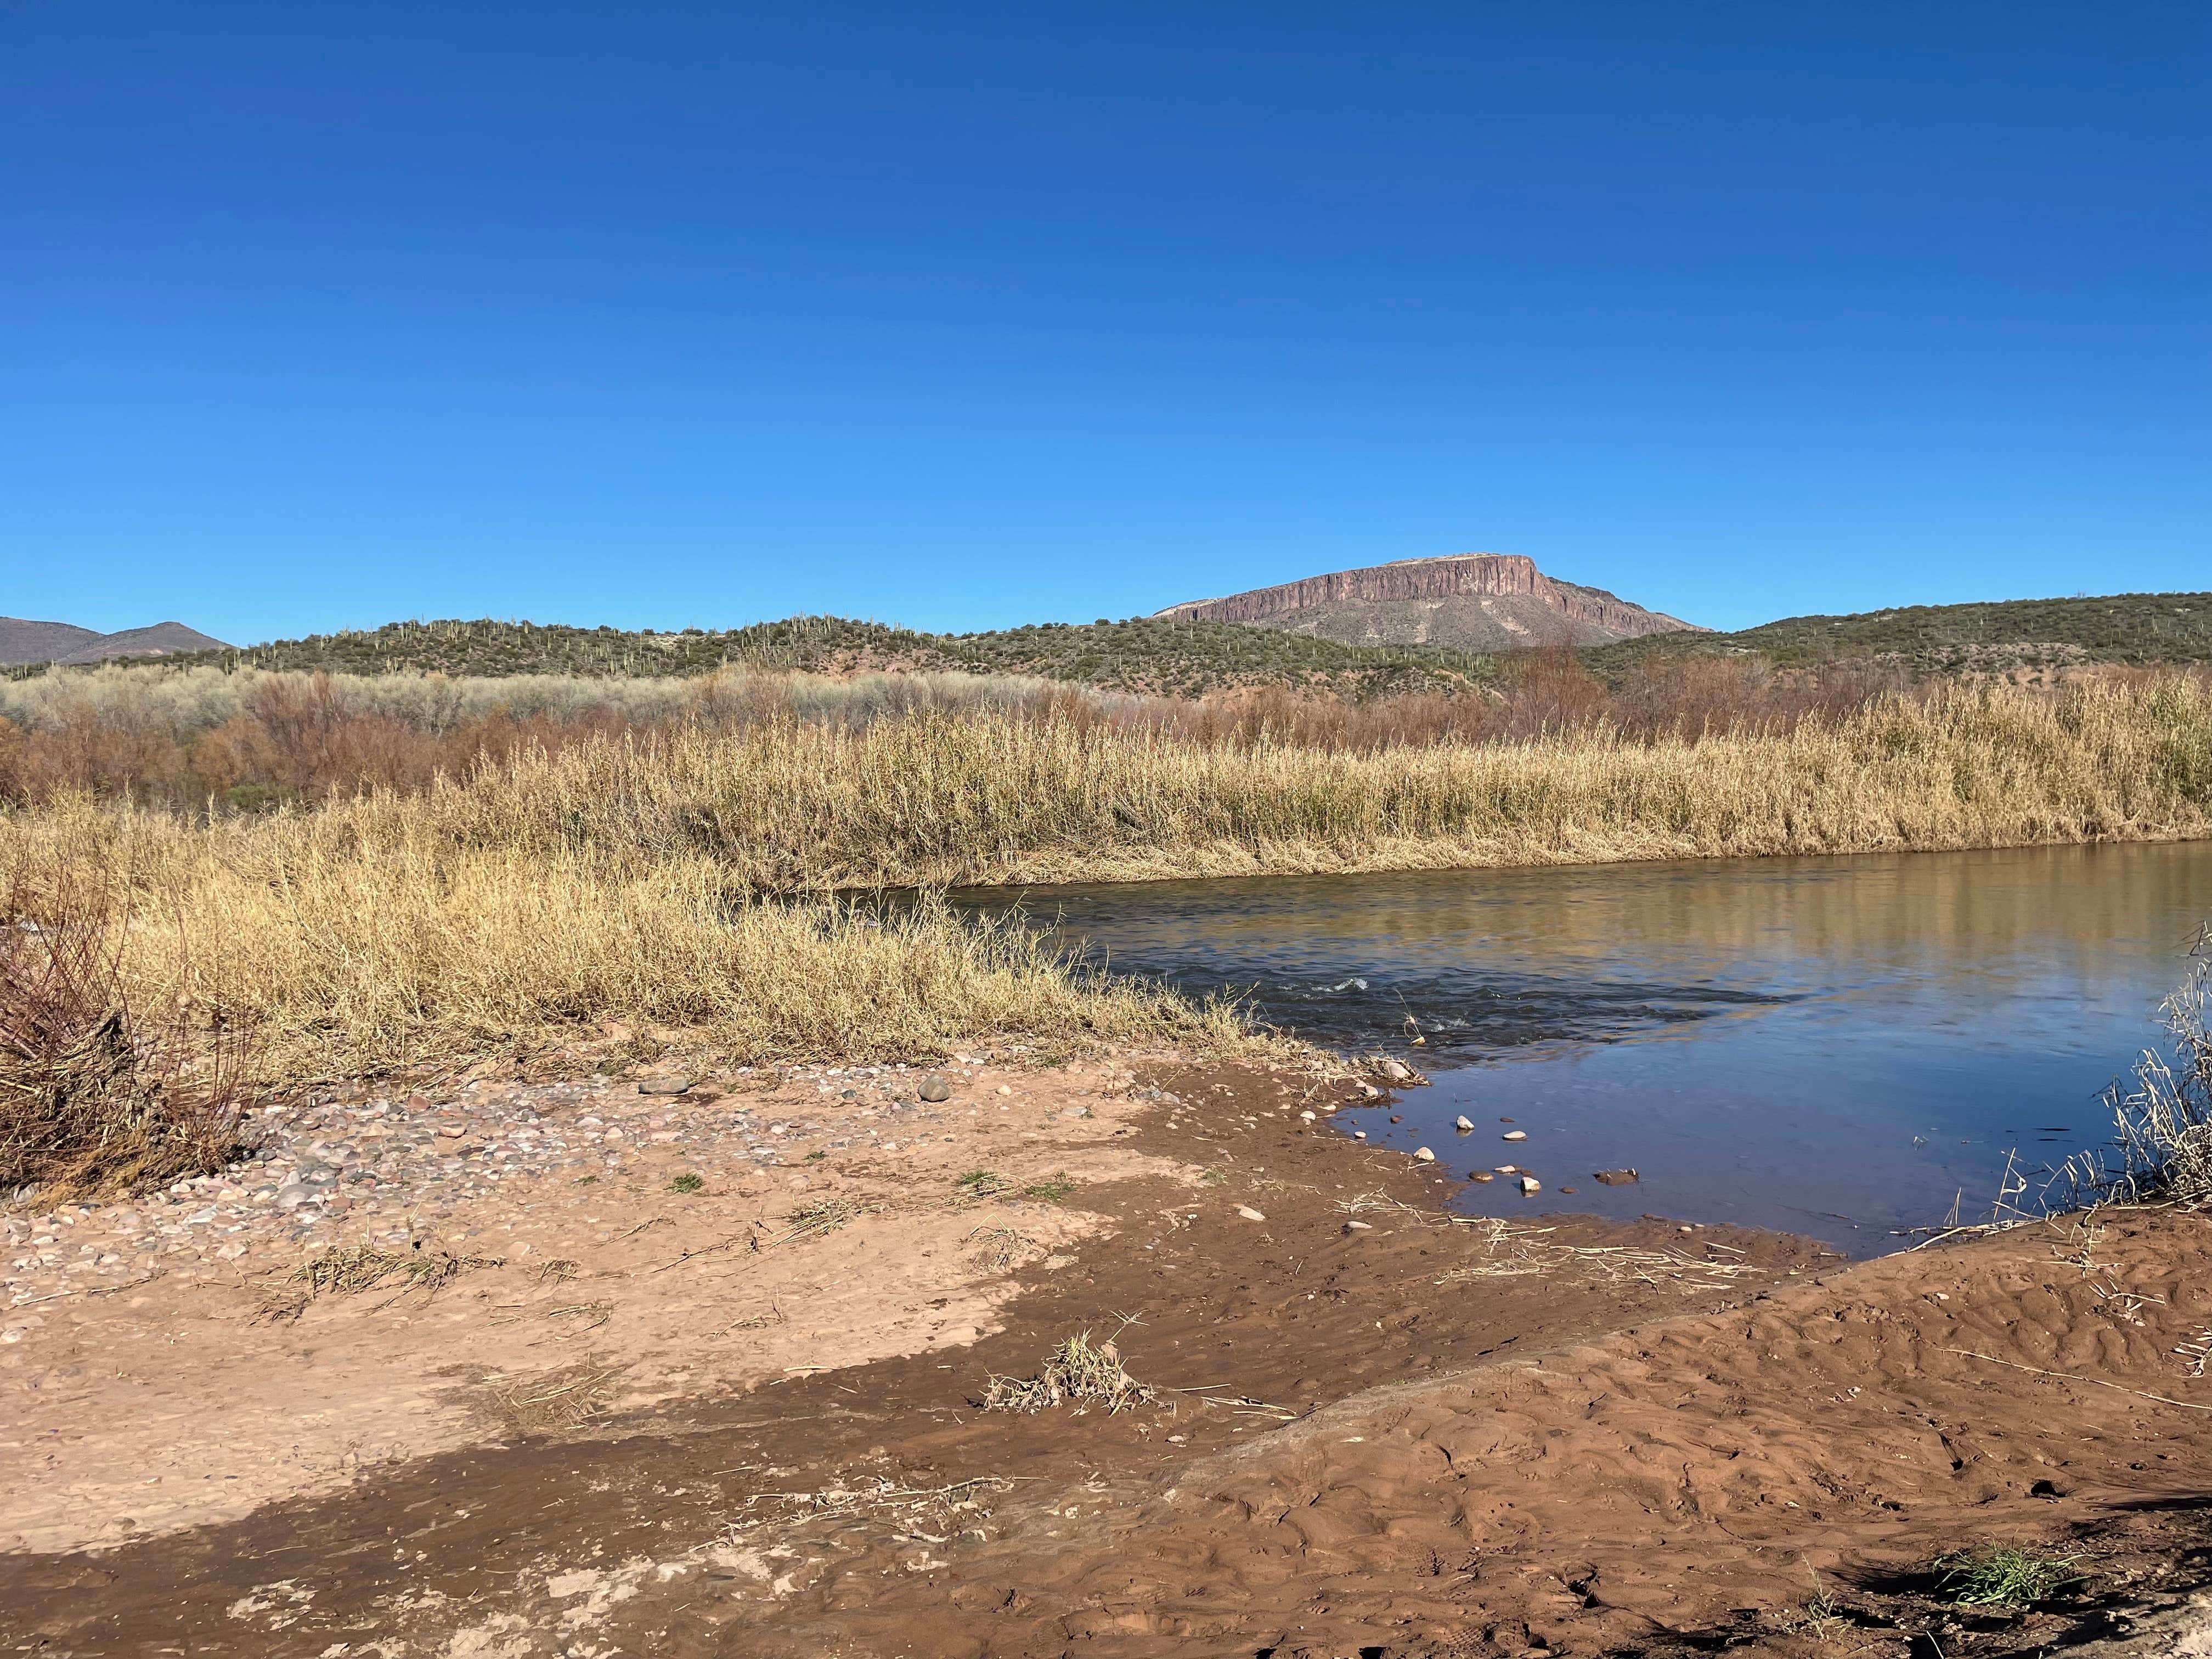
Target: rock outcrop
[[1476, 601]]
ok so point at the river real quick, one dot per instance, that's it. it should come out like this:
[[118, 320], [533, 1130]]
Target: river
[[1845, 1047]]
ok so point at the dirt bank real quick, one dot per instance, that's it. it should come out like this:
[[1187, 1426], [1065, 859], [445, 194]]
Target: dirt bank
[[1376, 1431]]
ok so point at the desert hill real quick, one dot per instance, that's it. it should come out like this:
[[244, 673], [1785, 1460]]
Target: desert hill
[[1462, 601], [1999, 637], [22, 642]]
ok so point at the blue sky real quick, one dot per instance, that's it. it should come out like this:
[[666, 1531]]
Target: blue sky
[[665, 315]]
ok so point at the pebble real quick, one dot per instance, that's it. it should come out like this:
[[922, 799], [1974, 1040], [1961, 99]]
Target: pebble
[[1462, 1123], [1481, 1175], [1425, 1154], [1249, 1213], [1618, 1177], [935, 1089], [1530, 1184], [1396, 1070], [666, 1086], [1359, 1226], [1515, 1134]]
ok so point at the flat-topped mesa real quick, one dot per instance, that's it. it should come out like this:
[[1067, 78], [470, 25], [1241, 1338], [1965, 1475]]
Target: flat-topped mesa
[[1475, 600]]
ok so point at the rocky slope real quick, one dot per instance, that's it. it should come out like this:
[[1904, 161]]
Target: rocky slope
[[1469, 601]]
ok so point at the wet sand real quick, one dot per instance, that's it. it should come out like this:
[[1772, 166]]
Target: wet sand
[[1412, 1435]]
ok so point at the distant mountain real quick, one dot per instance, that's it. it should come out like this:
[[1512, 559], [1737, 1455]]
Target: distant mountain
[[1461, 601], [67, 644]]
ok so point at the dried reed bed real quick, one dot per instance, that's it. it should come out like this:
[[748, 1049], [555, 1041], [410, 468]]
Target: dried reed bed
[[636, 878], [787, 806], [344, 953]]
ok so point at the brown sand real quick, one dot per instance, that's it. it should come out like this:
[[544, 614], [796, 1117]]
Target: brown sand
[[1413, 1437]]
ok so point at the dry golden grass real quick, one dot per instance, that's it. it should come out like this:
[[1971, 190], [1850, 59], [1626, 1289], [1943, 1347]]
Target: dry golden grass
[[343, 956], [786, 807], [632, 879]]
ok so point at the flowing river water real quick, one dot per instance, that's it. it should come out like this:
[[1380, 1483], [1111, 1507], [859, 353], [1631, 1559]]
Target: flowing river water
[[1845, 1047]]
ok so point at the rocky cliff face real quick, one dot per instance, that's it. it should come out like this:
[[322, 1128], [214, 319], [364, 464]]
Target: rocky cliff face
[[1479, 601]]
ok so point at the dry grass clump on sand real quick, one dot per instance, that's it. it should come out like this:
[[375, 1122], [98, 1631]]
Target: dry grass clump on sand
[[1080, 1371], [786, 805], [2166, 1120], [101, 1091]]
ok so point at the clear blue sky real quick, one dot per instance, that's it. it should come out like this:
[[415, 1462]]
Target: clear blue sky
[[317, 316]]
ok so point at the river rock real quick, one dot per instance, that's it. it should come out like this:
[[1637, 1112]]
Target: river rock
[[666, 1086], [1249, 1213], [1530, 1184], [1463, 1124], [1396, 1070], [1481, 1175], [1618, 1177], [1515, 1134], [934, 1088], [1425, 1154]]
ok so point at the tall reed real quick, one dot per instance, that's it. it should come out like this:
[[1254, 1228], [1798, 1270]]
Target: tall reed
[[788, 806], [678, 877]]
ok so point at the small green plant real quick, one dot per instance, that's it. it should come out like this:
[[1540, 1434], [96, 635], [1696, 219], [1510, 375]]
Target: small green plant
[[814, 1157], [1051, 1191], [1211, 1176], [1822, 1617], [2003, 1575], [981, 1184], [687, 1182], [587, 1180]]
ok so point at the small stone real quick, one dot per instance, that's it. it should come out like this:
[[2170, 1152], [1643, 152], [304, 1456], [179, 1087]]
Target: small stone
[[1462, 1124], [1515, 1134], [452, 1131], [1005, 1088], [666, 1086], [1425, 1154], [1359, 1226], [1481, 1175], [1306, 1117], [1396, 1070], [1618, 1177], [1249, 1213], [1505, 1169], [1530, 1184], [934, 1088]]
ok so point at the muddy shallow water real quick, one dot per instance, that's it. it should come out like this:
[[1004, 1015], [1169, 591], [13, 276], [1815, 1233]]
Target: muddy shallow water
[[1845, 1048]]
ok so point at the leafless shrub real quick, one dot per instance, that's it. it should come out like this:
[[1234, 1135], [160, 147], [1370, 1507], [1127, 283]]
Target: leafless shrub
[[2165, 1120], [99, 1095]]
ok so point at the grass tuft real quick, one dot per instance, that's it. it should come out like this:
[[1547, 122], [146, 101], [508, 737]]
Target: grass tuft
[[2002, 1574]]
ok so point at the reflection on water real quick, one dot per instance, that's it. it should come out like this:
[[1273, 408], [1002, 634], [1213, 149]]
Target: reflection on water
[[1840, 1046]]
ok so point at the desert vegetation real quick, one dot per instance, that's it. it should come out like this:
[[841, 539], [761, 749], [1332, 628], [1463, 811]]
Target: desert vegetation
[[208, 740], [426, 870]]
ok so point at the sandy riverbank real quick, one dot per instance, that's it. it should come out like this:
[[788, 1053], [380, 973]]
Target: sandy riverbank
[[743, 1419]]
